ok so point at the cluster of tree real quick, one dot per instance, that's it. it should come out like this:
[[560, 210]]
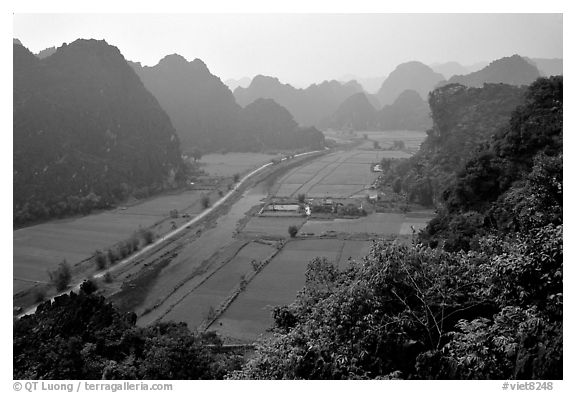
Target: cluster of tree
[[139, 239], [81, 336], [86, 132]]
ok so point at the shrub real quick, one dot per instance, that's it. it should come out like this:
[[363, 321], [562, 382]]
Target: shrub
[[100, 260], [397, 185], [301, 198], [292, 230], [108, 277], [124, 249], [236, 177], [147, 236], [88, 286], [243, 282], [205, 201], [39, 294], [112, 256], [61, 277]]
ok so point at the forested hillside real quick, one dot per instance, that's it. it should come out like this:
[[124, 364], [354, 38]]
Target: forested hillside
[[514, 182], [463, 119], [86, 133]]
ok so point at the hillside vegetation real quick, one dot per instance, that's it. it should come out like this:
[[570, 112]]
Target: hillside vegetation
[[463, 119]]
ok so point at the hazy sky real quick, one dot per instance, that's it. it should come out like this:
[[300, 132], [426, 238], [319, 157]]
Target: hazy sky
[[303, 48]]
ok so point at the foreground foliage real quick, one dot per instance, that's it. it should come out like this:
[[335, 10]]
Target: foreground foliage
[[81, 336], [417, 312]]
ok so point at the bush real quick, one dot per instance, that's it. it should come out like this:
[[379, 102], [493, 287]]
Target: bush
[[205, 201], [61, 277], [88, 286], [112, 256], [108, 277], [243, 282], [147, 236], [292, 230], [100, 260], [236, 177], [301, 198], [397, 185], [39, 295]]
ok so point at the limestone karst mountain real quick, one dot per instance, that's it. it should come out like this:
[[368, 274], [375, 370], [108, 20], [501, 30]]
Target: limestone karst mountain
[[86, 132], [513, 70], [201, 107], [408, 112], [309, 106], [412, 75]]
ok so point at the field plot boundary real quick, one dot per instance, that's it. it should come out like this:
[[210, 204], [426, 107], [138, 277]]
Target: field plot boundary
[[186, 294]]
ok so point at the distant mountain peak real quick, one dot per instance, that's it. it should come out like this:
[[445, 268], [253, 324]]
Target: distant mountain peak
[[512, 70], [413, 75], [173, 59]]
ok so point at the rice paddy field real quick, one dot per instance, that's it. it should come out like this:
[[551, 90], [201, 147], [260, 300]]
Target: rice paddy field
[[382, 224], [340, 175], [271, 226], [194, 308], [411, 139], [250, 315], [231, 163], [40, 248]]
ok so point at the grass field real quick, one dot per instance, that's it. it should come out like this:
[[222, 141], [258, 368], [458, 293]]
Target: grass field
[[231, 163], [278, 283]]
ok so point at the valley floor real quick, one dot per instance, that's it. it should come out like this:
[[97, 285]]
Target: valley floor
[[228, 272]]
